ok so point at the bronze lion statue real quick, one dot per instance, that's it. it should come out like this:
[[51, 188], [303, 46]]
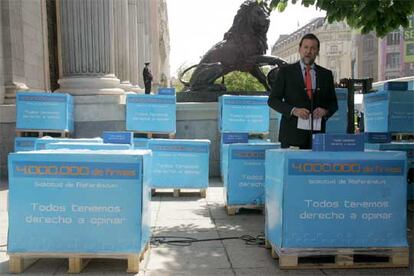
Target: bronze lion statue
[[242, 49]]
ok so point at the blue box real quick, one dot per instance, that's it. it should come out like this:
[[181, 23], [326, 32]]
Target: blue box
[[87, 146], [44, 111], [179, 164], [396, 85], [118, 137], [141, 143], [243, 114], [224, 151], [42, 142], [79, 202], [407, 147], [337, 123], [231, 138], [166, 91], [244, 174], [335, 199], [24, 143], [389, 111], [377, 137], [151, 113], [338, 142]]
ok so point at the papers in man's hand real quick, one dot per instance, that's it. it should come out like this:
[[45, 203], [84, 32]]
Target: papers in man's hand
[[306, 124]]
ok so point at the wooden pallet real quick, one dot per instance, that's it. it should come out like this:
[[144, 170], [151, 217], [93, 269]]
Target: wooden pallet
[[408, 137], [321, 258], [42, 133], [177, 192], [18, 262], [234, 209], [154, 135]]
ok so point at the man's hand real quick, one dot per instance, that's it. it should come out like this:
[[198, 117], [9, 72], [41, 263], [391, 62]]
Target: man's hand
[[319, 112], [302, 113]]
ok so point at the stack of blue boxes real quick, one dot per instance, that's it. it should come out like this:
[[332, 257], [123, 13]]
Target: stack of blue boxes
[[179, 163], [151, 113], [44, 111], [79, 201], [242, 159], [391, 111], [37, 111], [338, 122], [330, 200]]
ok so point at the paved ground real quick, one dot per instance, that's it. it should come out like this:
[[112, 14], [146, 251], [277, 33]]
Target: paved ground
[[191, 216]]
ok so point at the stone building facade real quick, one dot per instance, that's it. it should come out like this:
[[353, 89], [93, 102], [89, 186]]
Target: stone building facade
[[350, 54], [81, 47], [335, 48], [396, 53]]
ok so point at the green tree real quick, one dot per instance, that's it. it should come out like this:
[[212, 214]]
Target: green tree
[[382, 16], [241, 81]]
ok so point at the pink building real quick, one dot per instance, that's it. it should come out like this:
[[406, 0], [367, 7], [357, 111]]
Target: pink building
[[396, 53]]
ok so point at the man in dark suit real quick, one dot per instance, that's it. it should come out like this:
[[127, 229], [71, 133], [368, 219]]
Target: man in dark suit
[[303, 90], [147, 75]]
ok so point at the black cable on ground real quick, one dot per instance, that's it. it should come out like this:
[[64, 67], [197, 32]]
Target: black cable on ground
[[187, 241]]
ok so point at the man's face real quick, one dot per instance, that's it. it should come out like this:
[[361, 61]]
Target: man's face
[[308, 51]]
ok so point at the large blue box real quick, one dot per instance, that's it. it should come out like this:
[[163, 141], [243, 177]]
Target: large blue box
[[224, 149], [244, 174], [151, 113], [230, 138], [24, 143], [44, 111], [337, 123], [407, 147], [118, 137], [243, 114], [42, 142], [179, 164], [335, 199], [338, 142], [389, 111], [79, 202], [88, 146]]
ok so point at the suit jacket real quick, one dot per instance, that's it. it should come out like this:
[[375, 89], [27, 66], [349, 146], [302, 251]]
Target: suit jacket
[[146, 74], [289, 91]]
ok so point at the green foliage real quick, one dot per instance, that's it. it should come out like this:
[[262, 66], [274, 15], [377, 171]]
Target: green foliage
[[382, 16], [241, 81], [234, 81]]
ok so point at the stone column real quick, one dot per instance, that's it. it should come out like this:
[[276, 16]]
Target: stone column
[[86, 47], [2, 90], [121, 33], [12, 56], [134, 66], [141, 12], [154, 38]]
